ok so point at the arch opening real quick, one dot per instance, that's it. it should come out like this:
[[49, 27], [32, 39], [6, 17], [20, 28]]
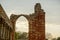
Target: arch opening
[[22, 27]]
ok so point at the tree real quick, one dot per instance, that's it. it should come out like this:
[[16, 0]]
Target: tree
[[48, 36], [46, 39], [54, 39], [58, 38], [17, 35], [23, 35]]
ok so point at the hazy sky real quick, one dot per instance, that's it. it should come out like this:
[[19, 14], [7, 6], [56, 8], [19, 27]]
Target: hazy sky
[[51, 7]]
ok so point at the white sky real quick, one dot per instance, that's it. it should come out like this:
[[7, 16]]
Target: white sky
[[51, 7]]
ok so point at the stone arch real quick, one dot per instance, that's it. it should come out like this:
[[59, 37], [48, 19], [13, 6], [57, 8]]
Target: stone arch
[[26, 16], [13, 19], [26, 20]]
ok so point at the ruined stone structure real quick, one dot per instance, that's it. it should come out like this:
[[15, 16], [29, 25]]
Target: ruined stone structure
[[5, 26], [36, 23]]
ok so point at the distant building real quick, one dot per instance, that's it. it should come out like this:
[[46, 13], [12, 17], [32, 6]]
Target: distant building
[[5, 26]]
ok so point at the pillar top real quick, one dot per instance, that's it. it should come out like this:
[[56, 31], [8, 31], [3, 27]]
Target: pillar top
[[37, 7]]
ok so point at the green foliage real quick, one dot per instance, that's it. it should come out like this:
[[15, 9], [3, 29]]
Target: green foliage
[[46, 39], [54, 39], [58, 38], [20, 35], [16, 35]]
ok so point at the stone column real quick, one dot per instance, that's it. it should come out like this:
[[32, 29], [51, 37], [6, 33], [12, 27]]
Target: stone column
[[37, 24]]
